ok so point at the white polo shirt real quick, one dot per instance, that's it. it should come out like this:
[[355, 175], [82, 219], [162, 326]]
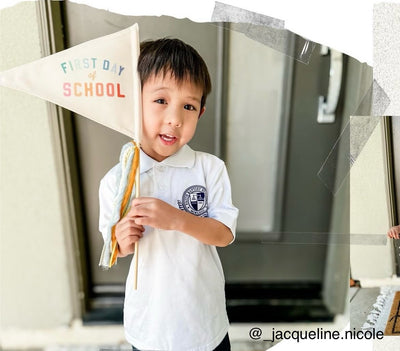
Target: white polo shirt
[[180, 301]]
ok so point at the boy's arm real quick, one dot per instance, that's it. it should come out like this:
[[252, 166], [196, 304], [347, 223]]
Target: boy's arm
[[127, 231], [158, 214]]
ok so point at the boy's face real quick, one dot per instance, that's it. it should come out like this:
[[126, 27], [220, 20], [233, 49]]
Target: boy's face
[[170, 114]]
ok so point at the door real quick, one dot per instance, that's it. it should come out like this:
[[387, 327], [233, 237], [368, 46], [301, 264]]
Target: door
[[277, 257]]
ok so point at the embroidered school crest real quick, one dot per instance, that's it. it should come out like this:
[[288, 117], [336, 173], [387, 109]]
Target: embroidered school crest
[[194, 200]]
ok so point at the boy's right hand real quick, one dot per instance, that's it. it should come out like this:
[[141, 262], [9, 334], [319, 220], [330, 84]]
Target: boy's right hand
[[127, 232], [394, 232]]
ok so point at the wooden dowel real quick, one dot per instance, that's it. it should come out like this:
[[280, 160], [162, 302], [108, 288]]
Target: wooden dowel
[[137, 194]]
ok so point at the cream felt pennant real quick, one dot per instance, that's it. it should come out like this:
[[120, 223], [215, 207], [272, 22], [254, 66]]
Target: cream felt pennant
[[97, 79]]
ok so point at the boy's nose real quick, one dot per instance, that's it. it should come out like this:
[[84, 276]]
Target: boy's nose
[[175, 118]]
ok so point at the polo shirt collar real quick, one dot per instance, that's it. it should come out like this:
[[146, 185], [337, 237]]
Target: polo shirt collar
[[185, 157]]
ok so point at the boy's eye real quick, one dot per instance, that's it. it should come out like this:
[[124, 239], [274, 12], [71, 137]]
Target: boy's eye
[[190, 107], [160, 101]]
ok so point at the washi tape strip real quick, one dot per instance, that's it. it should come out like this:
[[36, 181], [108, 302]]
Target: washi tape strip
[[353, 138], [264, 29], [321, 238]]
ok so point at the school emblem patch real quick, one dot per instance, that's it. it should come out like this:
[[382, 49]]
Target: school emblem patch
[[194, 200]]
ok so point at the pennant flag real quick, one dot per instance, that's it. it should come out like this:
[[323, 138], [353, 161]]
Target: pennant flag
[[97, 79]]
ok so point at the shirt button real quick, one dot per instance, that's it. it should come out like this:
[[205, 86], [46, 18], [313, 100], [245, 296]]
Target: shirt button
[[161, 168]]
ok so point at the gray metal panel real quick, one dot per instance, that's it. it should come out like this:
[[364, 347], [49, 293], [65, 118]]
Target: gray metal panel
[[273, 262]]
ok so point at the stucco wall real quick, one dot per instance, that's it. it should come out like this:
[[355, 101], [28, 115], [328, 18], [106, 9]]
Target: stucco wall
[[35, 291], [369, 213]]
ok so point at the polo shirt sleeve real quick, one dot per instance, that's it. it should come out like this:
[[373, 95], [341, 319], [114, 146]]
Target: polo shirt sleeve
[[220, 205], [107, 189]]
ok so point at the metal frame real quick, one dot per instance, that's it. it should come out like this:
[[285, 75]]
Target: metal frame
[[222, 88], [220, 96], [283, 137]]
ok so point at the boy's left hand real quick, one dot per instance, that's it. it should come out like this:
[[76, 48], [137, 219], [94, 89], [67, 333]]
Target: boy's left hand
[[154, 213]]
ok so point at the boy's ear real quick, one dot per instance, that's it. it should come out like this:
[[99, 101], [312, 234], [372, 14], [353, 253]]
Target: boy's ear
[[203, 109]]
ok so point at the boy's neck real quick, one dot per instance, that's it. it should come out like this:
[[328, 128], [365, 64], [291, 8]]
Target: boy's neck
[[164, 158]]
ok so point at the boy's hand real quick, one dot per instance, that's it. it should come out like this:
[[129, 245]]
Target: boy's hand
[[394, 232], [154, 213], [127, 232]]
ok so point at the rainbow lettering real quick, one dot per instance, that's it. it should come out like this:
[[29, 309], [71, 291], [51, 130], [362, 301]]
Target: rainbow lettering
[[91, 63], [89, 89]]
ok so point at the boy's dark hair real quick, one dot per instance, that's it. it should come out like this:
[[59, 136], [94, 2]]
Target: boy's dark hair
[[173, 56]]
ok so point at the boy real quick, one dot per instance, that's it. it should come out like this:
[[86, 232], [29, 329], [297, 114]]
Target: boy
[[184, 212]]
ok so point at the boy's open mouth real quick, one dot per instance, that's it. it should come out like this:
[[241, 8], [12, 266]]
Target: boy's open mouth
[[168, 139]]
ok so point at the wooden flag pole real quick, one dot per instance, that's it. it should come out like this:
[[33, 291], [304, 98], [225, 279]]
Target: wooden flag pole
[[137, 194], [137, 99]]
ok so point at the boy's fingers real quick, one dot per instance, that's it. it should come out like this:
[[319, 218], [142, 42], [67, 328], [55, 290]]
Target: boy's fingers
[[129, 222], [128, 247], [143, 220], [135, 236], [122, 234], [129, 239], [128, 232], [139, 210], [138, 201], [141, 200]]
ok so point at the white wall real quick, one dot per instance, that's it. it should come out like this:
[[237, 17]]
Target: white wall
[[369, 214], [35, 290]]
